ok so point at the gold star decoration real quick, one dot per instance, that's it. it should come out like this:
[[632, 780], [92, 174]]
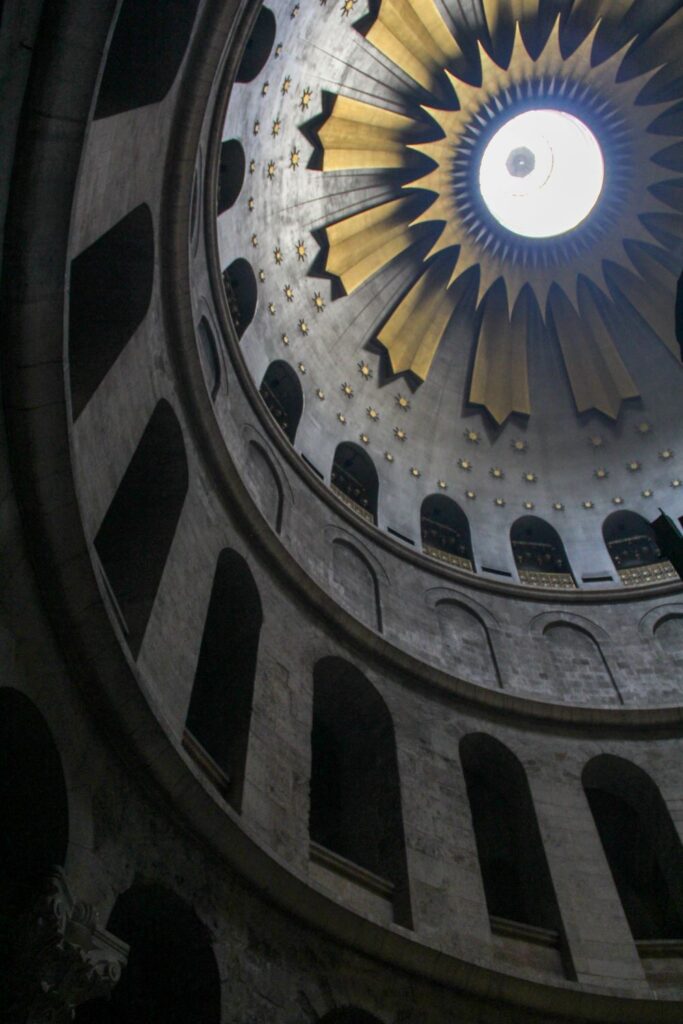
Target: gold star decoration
[[388, 456], [496, 472], [277, 125], [277, 255], [285, 339], [529, 478], [647, 493], [295, 10], [414, 471], [252, 166], [465, 464], [251, 203], [499, 502], [302, 368], [254, 240], [271, 169], [558, 506], [265, 88], [294, 158], [278, 49], [341, 417], [588, 505], [346, 7], [300, 249], [364, 438], [320, 393], [675, 483], [372, 413], [644, 427], [402, 402], [288, 292], [617, 501], [596, 441], [529, 506], [470, 495], [400, 434], [303, 327], [271, 308], [261, 275], [519, 445], [633, 466], [666, 454], [364, 370], [347, 389], [306, 97], [601, 473], [473, 436], [443, 485], [287, 81], [318, 302], [257, 127]]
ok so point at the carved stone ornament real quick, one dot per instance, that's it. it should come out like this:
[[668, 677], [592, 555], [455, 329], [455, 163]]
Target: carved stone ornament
[[63, 957]]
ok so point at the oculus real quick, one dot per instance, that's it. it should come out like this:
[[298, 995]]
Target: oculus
[[529, 172]]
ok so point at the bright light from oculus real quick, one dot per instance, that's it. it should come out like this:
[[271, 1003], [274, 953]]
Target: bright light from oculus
[[542, 173]]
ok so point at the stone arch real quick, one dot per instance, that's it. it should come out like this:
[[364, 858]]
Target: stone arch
[[219, 714], [358, 582], [137, 531], [145, 54], [355, 480], [266, 483], [512, 859], [34, 812], [445, 531], [172, 974], [579, 663], [538, 549], [110, 291], [355, 787], [210, 359], [641, 845], [281, 391], [468, 642], [668, 631]]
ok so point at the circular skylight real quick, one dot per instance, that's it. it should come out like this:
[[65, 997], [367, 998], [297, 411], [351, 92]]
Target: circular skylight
[[542, 173]]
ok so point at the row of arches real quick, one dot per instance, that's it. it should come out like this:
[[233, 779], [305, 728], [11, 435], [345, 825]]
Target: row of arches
[[445, 533], [356, 813]]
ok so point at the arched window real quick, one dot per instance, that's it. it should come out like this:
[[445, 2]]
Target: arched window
[[446, 531], [641, 844], [137, 531], [633, 548], [219, 715], [34, 821], [281, 391], [239, 282], [259, 45], [109, 295], [230, 174], [539, 554], [171, 976], [512, 860], [355, 789], [355, 481]]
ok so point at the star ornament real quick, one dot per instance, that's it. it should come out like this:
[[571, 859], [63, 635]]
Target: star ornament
[[442, 219]]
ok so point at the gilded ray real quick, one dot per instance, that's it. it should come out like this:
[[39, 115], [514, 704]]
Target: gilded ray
[[598, 377], [651, 289], [500, 380], [413, 35], [360, 135], [414, 330], [361, 245]]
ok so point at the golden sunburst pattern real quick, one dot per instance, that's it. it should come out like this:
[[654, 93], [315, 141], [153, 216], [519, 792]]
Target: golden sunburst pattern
[[431, 160]]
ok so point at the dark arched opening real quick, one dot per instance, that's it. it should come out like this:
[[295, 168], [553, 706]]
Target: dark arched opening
[[230, 173], [259, 45], [446, 531], [219, 714], [355, 480], [109, 295], [239, 282], [281, 391], [632, 546], [145, 53], [172, 975], [641, 844], [512, 859], [355, 788], [208, 350], [137, 531], [539, 554]]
